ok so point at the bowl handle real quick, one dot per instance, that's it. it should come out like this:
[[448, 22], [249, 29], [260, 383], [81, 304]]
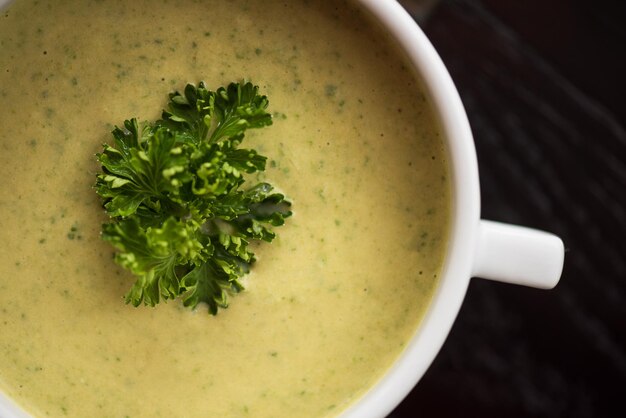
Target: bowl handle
[[518, 255]]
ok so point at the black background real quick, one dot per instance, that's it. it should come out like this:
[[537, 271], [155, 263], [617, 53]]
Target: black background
[[543, 85]]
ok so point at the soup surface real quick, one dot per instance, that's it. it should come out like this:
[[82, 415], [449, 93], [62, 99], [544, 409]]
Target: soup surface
[[330, 303]]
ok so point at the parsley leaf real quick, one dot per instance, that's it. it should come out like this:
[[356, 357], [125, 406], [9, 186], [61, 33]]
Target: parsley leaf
[[181, 214]]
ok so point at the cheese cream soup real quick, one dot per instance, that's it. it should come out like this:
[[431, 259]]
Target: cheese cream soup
[[329, 305]]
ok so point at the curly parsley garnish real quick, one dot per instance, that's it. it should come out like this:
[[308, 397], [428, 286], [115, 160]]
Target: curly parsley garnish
[[182, 214]]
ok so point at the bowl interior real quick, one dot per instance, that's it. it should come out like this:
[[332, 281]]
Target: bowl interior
[[447, 300]]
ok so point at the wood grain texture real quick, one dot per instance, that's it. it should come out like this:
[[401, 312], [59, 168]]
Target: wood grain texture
[[543, 86]]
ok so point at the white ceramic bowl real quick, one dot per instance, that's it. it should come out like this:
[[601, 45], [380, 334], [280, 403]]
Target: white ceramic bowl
[[476, 247]]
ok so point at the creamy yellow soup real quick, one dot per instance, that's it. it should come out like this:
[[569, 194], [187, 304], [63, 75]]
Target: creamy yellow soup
[[329, 305]]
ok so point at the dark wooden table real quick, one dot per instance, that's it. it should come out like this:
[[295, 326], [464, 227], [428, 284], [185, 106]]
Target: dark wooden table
[[543, 84]]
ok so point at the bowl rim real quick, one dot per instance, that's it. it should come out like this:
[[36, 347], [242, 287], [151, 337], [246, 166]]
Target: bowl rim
[[446, 302]]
